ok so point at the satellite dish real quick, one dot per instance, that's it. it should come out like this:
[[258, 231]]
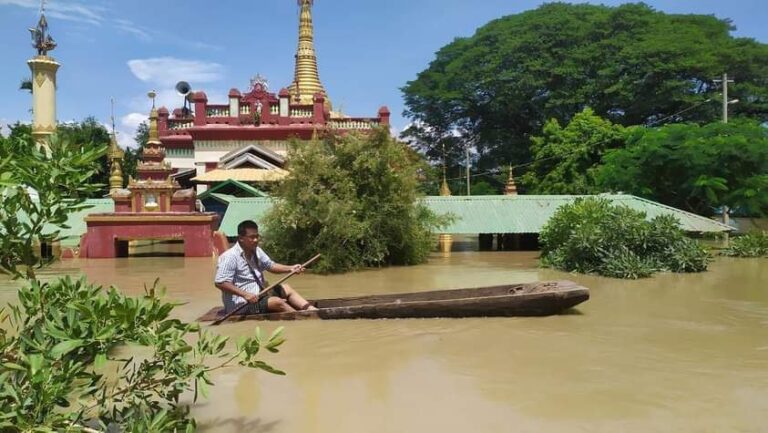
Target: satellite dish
[[183, 88]]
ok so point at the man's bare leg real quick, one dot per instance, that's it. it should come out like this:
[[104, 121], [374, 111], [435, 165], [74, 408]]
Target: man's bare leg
[[278, 305], [295, 299]]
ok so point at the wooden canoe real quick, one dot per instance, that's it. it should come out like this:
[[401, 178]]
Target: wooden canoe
[[530, 299]]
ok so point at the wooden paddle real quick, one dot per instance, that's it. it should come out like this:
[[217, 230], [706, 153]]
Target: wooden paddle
[[264, 292]]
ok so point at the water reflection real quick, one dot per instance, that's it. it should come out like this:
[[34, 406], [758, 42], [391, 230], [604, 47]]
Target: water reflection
[[678, 352]]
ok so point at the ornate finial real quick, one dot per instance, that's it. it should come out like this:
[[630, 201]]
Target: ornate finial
[[306, 79], [510, 188], [152, 94], [444, 190], [154, 136], [115, 156], [259, 81], [41, 40], [112, 117]]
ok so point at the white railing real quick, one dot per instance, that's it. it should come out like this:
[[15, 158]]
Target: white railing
[[217, 112], [301, 112], [180, 124], [352, 124]]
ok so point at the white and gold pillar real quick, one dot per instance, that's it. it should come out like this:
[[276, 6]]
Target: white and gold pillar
[[43, 69]]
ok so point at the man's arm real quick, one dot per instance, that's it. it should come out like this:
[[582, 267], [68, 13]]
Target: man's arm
[[228, 287], [279, 268]]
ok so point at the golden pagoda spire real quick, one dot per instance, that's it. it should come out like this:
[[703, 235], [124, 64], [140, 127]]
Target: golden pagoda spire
[[306, 79], [510, 188], [115, 157], [154, 136], [444, 190]]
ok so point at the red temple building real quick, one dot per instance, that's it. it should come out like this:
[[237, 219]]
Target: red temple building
[[152, 207], [200, 143]]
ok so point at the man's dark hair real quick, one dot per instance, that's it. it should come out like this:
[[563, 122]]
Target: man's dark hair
[[245, 225]]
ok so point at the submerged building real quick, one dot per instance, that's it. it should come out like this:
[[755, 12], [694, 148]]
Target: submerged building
[[245, 138]]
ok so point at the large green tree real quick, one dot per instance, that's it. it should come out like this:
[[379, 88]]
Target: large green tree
[[352, 198], [91, 131], [631, 64], [565, 158], [692, 167]]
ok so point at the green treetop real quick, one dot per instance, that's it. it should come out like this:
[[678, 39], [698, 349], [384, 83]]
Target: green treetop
[[631, 64]]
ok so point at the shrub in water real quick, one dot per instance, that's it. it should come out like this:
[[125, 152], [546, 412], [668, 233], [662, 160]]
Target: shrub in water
[[750, 245], [592, 235]]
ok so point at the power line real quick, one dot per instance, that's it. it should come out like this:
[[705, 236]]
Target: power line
[[512, 167]]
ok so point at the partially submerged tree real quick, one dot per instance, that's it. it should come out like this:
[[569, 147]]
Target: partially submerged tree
[[594, 236], [565, 158], [352, 198], [692, 167]]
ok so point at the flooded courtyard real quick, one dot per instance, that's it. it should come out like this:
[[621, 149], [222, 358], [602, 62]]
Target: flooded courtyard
[[674, 353]]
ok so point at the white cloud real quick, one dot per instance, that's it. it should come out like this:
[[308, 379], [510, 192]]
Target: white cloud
[[127, 129], [133, 120], [71, 11], [167, 71], [130, 27]]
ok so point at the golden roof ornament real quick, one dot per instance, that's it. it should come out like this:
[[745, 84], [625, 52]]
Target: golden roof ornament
[[115, 155], [444, 190], [154, 136], [306, 80], [510, 188]]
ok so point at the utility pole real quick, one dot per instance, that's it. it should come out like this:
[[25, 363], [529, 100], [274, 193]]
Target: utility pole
[[726, 102], [468, 189]]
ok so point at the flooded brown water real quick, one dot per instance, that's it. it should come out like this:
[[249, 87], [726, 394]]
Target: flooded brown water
[[675, 353]]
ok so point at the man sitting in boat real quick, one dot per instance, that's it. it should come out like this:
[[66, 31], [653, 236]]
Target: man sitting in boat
[[240, 277]]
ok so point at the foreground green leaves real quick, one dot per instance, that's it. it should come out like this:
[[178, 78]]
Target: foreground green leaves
[[39, 187], [80, 356], [594, 236]]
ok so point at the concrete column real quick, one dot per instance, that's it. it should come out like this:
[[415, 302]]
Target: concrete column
[[43, 96]]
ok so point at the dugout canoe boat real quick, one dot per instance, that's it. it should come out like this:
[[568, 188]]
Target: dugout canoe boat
[[529, 299]]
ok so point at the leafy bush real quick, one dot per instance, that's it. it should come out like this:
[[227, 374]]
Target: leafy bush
[[60, 370], [594, 236], [749, 245], [59, 345], [354, 199], [58, 174]]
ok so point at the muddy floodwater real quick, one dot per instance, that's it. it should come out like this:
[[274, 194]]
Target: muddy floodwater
[[674, 353]]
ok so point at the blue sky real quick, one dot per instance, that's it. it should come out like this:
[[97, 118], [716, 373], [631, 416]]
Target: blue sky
[[367, 50]]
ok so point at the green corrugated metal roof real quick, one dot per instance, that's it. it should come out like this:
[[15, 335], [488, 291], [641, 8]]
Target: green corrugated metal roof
[[236, 185], [240, 209], [475, 214], [223, 198], [71, 237], [493, 214], [529, 213]]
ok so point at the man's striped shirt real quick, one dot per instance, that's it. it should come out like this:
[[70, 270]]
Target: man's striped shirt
[[233, 267]]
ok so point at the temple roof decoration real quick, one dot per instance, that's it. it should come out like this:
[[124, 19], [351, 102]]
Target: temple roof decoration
[[41, 40], [306, 80], [242, 175], [252, 155], [510, 188], [153, 171]]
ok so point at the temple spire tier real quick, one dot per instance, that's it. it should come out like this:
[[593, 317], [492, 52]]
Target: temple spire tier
[[306, 81]]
